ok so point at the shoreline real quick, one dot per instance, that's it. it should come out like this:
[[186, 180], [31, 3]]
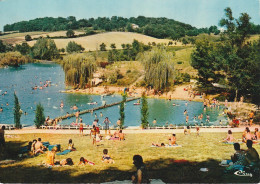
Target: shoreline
[[129, 130]]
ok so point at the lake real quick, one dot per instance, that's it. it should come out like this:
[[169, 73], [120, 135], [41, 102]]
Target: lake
[[22, 80]]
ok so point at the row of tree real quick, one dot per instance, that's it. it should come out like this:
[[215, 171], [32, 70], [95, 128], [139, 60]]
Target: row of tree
[[156, 27], [234, 61]]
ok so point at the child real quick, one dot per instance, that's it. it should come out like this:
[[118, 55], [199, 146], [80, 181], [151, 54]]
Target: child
[[230, 137], [71, 146], [106, 158], [83, 161]]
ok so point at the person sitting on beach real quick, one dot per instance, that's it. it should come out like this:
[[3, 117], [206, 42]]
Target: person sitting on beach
[[121, 135], [39, 147], [106, 158], [33, 150], [172, 140], [256, 135], [67, 161], [230, 137], [238, 158], [83, 161], [140, 175], [252, 157], [51, 156], [116, 133], [71, 146], [246, 135]]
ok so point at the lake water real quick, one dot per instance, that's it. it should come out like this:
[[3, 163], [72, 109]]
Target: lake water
[[21, 80]]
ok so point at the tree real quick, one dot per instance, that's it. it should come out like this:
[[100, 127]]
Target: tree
[[14, 59], [17, 113], [39, 116], [122, 111], [70, 33], [102, 47], [144, 112], [28, 38], [202, 59], [45, 48], [159, 67], [24, 48], [79, 69], [74, 47]]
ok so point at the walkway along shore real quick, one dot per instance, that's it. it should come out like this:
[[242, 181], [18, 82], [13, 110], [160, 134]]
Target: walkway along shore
[[97, 108]]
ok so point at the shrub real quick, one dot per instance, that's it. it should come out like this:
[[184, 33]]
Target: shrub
[[74, 47], [28, 38], [13, 59]]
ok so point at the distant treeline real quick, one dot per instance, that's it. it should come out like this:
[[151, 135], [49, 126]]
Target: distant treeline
[[156, 27]]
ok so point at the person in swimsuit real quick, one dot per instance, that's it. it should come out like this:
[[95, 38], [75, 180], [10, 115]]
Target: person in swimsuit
[[106, 158], [230, 137], [93, 134], [172, 140], [106, 122], [51, 156], [81, 127], [71, 146]]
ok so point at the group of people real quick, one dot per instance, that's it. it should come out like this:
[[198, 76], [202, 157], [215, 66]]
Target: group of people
[[241, 158], [247, 135], [46, 84], [172, 142]]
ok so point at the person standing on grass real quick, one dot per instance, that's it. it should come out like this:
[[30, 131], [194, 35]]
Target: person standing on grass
[[106, 122], [140, 176], [81, 127], [93, 134]]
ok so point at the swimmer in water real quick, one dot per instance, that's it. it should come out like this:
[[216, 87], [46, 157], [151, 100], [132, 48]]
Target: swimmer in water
[[61, 104], [7, 103], [185, 111]]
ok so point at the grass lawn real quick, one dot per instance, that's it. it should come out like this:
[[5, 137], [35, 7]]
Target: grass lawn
[[203, 151]]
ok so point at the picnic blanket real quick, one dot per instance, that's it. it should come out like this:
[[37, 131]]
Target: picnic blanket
[[64, 152], [232, 142]]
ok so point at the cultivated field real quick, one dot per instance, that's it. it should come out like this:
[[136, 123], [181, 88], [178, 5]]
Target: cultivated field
[[204, 151], [92, 42]]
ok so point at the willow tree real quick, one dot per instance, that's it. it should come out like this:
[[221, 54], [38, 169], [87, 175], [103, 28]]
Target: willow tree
[[159, 68], [79, 69]]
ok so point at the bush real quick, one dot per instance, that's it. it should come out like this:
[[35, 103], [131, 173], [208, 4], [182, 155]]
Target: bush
[[28, 38], [13, 59], [74, 47]]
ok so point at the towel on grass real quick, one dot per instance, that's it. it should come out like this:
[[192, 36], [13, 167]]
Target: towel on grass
[[64, 152]]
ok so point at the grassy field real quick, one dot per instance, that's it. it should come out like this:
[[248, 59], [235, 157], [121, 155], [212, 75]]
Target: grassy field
[[184, 56], [92, 42], [203, 151]]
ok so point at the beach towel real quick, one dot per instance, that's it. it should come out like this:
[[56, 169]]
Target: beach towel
[[23, 150], [231, 142], [46, 144], [64, 152]]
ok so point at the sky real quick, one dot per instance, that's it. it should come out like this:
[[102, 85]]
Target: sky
[[199, 13]]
